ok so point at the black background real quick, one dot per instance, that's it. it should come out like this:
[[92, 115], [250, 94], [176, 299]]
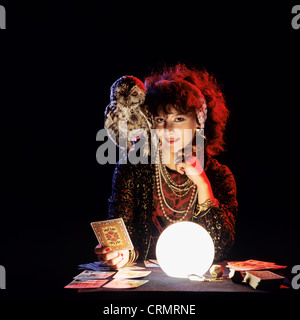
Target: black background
[[58, 61]]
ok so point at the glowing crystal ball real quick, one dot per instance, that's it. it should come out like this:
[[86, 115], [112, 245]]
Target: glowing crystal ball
[[183, 249]]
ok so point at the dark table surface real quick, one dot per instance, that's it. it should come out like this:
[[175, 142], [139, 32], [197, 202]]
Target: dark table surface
[[161, 285]]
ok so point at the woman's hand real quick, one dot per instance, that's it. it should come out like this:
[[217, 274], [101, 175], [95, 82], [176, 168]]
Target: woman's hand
[[193, 169], [114, 259]]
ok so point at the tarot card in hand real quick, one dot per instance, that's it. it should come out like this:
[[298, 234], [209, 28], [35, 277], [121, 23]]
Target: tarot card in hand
[[112, 233]]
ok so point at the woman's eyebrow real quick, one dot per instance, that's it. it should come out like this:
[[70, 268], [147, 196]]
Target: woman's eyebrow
[[177, 114], [170, 114]]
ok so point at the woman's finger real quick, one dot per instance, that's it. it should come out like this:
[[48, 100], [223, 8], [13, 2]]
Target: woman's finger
[[110, 255], [115, 261], [100, 258], [194, 163], [102, 250], [180, 167], [106, 257], [120, 264], [125, 257]]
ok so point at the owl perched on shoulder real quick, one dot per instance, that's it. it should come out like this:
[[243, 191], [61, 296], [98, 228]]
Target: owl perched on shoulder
[[126, 118]]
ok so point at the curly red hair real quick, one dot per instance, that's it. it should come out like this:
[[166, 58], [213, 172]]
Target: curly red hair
[[180, 87]]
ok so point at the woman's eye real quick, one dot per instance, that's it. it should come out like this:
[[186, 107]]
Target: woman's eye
[[159, 120], [179, 119]]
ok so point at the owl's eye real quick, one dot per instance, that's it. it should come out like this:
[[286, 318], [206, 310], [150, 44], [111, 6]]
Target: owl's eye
[[134, 93], [122, 91]]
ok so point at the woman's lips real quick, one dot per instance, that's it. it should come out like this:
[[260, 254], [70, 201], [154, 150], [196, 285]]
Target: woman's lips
[[171, 140]]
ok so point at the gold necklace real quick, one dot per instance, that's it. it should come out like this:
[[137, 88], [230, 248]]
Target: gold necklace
[[161, 194], [165, 201], [183, 188]]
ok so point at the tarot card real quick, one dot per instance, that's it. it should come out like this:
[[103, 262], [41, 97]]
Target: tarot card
[[95, 266], [150, 264], [87, 284], [112, 233], [131, 268], [94, 275], [252, 265], [127, 274], [124, 284]]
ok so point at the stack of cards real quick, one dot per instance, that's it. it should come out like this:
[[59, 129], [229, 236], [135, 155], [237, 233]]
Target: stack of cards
[[89, 279], [252, 265], [96, 266]]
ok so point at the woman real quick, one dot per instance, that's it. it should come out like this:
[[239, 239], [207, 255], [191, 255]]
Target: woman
[[179, 186]]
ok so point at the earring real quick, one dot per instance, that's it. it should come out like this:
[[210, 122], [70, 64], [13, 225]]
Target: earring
[[199, 144], [201, 135]]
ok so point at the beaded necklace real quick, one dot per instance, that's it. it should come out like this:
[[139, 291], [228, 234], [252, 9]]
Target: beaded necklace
[[160, 172]]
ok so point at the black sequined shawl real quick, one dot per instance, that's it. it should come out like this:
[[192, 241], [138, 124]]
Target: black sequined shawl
[[132, 199]]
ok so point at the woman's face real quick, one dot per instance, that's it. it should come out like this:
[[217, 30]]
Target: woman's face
[[175, 130]]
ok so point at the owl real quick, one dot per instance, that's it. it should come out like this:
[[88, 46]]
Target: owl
[[126, 118]]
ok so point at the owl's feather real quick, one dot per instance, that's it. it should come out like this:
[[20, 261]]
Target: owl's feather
[[127, 99]]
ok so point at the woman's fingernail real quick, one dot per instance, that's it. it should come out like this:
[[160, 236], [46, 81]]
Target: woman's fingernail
[[107, 249]]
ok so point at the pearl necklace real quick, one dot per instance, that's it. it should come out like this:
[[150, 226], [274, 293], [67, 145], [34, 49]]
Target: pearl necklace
[[161, 197], [182, 188]]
